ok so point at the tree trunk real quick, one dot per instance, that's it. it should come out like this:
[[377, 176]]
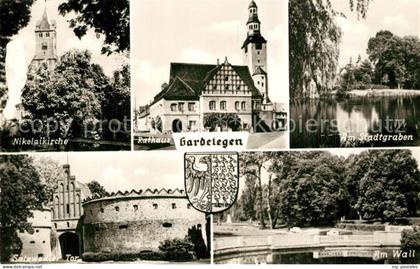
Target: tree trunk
[[269, 209], [260, 199]]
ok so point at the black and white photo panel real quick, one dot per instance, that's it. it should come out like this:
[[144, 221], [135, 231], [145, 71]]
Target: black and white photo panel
[[337, 206], [213, 67], [100, 207], [65, 75], [354, 73]]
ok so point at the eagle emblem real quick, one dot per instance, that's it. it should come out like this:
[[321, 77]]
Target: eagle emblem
[[211, 180]]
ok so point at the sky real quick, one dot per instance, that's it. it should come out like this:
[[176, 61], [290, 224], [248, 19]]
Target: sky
[[66, 40], [202, 31], [141, 170], [401, 17]]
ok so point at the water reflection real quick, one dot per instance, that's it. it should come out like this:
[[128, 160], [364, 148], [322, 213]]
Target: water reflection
[[329, 123]]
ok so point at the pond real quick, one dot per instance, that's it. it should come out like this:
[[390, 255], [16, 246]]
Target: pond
[[381, 121]]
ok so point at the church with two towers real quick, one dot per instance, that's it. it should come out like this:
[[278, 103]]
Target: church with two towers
[[206, 97]]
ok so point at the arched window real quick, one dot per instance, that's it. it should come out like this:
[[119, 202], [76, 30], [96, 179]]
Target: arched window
[[223, 105], [243, 105], [212, 105], [237, 105]]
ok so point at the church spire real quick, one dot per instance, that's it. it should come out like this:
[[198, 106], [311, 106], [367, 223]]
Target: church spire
[[44, 23]]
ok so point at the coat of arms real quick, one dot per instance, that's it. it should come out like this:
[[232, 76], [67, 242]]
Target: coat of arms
[[211, 180]]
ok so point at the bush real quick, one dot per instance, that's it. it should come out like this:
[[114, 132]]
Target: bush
[[177, 249], [127, 256], [151, 255], [410, 240], [361, 227], [379, 87]]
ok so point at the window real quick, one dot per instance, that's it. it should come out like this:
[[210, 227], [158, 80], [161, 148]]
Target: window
[[68, 209], [226, 78], [68, 224], [243, 105], [123, 226], [262, 84], [191, 106], [173, 205], [44, 46], [47, 34], [40, 255], [37, 231], [212, 105], [136, 207], [102, 210], [173, 107], [226, 87], [32, 242], [258, 53], [258, 46], [155, 206], [167, 225], [55, 225], [223, 105], [192, 124], [188, 206], [43, 242], [40, 34], [237, 105], [181, 107], [117, 208]]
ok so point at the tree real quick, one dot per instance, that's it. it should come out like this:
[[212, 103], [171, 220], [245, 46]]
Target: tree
[[410, 240], [97, 189], [251, 165], [110, 18], [50, 172], [248, 198], [388, 184], [310, 188], [396, 59], [71, 94], [116, 103], [21, 192], [314, 38]]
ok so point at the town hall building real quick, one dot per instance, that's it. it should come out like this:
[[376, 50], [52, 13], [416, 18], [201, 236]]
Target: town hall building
[[217, 97]]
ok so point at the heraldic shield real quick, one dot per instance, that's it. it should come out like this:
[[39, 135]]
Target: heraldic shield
[[211, 180]]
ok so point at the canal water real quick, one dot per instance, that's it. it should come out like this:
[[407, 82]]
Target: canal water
[[353, 122]]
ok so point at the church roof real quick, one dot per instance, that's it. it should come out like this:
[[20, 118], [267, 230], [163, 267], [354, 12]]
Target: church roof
[[252, 4], [256, 38], [44, 23], [187, 81]]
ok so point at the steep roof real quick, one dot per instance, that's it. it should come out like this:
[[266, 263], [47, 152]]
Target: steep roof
[[44, 23], [259, 71], [187, 81], [256, 38]]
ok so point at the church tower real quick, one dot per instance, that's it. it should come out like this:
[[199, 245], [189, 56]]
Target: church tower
[[255, 51], [46, 43]]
